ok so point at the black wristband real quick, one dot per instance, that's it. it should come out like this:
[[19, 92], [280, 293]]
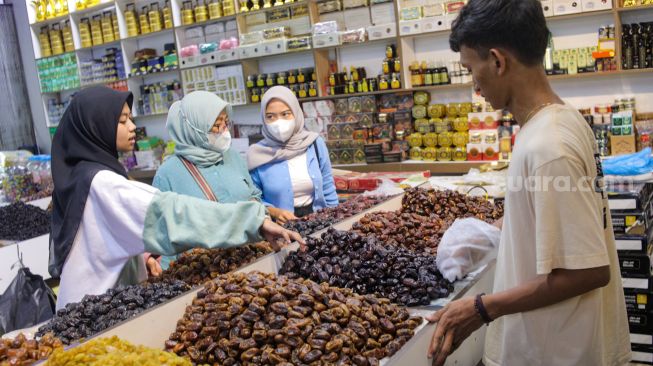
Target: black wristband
[[480, 309]]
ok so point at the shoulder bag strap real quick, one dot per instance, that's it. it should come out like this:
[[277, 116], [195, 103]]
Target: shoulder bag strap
[[199, 179]]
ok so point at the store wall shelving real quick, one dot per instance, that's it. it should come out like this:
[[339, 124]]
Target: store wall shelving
[[432, 45]]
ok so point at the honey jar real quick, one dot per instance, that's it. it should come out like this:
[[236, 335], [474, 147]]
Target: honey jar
[[416, 153], [215, 9], [430, 139], [429, 154], [445, 139], [415, 139], [154, 16], [143, 20]]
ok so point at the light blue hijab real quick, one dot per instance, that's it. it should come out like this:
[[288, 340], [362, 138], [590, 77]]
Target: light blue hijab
[[189, 121]]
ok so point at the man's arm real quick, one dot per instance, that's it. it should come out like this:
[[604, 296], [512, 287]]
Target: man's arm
[[459, 319]]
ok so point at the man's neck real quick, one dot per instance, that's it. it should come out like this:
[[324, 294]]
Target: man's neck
[[530, 93]]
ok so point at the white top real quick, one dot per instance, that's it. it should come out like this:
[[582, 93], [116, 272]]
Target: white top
[[557, 223], [110, 232], [302, 184]]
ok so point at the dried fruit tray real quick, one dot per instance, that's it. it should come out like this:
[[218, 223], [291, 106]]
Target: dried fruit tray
[[153, 327]]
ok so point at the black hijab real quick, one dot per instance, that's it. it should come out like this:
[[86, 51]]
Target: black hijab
[[84, 144]]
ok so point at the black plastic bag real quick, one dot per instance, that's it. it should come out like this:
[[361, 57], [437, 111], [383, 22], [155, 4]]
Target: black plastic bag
[[27, 301]]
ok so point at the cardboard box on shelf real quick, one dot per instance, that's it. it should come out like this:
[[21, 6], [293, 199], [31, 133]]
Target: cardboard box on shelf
[[383, 13], [410, 27], [563, 7], [620, 145], [326, 40], [382, 31], [357, 18], [594, 5]]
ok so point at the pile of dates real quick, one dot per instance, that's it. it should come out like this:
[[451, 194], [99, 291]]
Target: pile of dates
[[261, 319], [22, 221], [401, 229], [23, 351], [325, 217], [365, 265], [96, 313], [449, 205], [199, 265]]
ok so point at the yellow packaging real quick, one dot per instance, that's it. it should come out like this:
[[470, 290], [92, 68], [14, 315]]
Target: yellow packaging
[[453, 110], [215, 9], [430, 139], [465, 109], [441, 126], [415, 139], [429, 154], [461, 124], [419, 111], [421, 98], [460, 139], [167, 15], [445, 139], [437, 110], [85, 33], [44, 42], [228, 8], [67, 35], [444, 154], [416, 153], [460, 154], [96, 31]]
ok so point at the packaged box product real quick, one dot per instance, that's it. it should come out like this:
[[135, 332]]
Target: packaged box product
[[637, 283], [194, 32], [625, 196], [357, 18], [298, 43], [410, 27], [631, 222], [325, 108], [474, 152], [382, 31], [226, 55], [354, 3], [277, 15], [622, 144], [276, 33], [310, 111], [328, 6], [593, 5], [491, 151], [273, 47], [383, 14], [432, 9], [251, 38], [640, 322], [484, 120], [214, 28], [434, 24], [638, 301], [562, 7], [368, 104], [413, 13], [353, 36], [634, 263], [642, 353], [326, 40], [634, 243]]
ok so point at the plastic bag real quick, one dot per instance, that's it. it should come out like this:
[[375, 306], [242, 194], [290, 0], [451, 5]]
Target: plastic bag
[[386, 188], [466, 246], [631, 164], [27, 301]]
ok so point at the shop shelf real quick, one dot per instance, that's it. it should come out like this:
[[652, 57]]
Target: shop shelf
[[103, 45], [175, 70], [60, 18], [284, 6], [210, 21], [94, 8], [148, 35], [634, 8]]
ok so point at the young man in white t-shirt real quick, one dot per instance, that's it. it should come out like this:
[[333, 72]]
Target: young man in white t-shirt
[[557, 298]]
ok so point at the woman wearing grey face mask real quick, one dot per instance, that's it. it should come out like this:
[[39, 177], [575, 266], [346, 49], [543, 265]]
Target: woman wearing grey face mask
[[290, 165], [203, 165]]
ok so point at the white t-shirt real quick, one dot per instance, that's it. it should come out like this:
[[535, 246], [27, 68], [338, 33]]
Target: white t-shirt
[[302, 184], [559, 224], [110, 233]]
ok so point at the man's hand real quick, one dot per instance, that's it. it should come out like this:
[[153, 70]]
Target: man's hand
[[274, 233], [281, 216], [456, 321], [153, 267]]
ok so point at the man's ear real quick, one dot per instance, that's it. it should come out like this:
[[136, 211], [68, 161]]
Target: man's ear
[[500, 60]]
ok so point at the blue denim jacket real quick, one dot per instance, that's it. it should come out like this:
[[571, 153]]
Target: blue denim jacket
[[273, 179]]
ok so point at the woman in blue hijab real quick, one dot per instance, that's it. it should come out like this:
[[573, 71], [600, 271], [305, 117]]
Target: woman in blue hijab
[[203, 165]]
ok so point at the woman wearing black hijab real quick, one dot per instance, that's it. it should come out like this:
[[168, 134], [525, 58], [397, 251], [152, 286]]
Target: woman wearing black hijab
[[102, 222]]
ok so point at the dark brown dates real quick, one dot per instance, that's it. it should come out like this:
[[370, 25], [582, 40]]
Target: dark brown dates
[[331, 334], [369, 267]]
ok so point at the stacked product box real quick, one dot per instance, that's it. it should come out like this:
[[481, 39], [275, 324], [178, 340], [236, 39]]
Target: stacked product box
[[631, 209]]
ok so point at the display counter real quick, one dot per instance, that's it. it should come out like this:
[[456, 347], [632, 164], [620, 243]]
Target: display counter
[[152, 328]]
